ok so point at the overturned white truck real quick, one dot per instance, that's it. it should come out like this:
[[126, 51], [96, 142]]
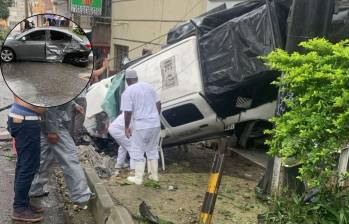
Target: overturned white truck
[[187, 114], [209, 83]]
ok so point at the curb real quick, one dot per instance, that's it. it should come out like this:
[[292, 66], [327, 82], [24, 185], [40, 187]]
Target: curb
[[102, 206]]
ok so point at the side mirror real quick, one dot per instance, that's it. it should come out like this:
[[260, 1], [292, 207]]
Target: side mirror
[[23, 38]]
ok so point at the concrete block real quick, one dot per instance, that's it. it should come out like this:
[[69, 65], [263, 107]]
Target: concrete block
[[102, 206], [119, 214]]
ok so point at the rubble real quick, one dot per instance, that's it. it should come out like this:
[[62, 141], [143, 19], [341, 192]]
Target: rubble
[[104, 165], [5, 136]]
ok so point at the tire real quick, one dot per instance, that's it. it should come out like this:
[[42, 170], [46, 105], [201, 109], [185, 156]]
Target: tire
[[7, 54], [76, 60]]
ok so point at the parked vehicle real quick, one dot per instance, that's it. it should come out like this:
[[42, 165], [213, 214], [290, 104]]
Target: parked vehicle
[[47, 44]]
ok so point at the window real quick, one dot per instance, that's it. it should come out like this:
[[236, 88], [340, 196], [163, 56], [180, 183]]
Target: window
[[36, 36], [120, 52], [59, 36], [183, 114]]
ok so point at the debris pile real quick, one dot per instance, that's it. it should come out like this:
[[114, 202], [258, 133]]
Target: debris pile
[[104, 165]]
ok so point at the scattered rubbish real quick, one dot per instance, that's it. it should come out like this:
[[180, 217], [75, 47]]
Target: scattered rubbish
[[9, 156], [311, 195], [145, 213], [172, 188], [102, 164], [5, 136]]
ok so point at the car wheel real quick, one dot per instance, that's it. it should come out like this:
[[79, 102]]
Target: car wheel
[[7, 54]]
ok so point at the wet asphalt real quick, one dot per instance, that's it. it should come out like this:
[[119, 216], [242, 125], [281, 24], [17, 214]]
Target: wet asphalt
[[44, 83], [52, 204]]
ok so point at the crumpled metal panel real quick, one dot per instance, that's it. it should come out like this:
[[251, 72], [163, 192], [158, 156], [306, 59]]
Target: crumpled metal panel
[[56, 50]]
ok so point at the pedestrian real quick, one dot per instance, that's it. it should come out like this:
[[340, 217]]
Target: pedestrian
[[24, 126], [141, 102], [57, 144], [95, 76], [117, 131]]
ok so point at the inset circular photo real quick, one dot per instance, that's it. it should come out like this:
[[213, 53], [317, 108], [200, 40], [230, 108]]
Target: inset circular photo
[[46, 60]]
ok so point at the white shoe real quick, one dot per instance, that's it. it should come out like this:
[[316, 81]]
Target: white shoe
[[153, 167], [139, 173]]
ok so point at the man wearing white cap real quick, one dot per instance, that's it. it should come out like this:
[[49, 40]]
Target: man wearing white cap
[[141, 102]]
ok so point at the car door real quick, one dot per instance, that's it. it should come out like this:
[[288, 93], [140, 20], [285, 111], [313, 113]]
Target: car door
[[32, 46], [58, 44]]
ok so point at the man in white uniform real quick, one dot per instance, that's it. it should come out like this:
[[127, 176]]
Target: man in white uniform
[[141, 102], [117, 131]]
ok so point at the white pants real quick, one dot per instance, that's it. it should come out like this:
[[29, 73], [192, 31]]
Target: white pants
[[118, 134], [145, 141]]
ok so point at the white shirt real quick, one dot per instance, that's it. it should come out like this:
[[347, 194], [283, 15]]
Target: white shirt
[[141, 99]]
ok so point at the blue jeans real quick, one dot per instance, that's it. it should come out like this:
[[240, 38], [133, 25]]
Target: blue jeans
[[27, 137]]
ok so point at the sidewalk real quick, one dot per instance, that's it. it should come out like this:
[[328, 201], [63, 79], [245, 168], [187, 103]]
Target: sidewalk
[[53, 204]]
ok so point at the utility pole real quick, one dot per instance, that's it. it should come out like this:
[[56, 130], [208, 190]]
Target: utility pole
[[26, 8]]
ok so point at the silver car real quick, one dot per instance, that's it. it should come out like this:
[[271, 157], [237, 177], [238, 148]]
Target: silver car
[[47, 44]]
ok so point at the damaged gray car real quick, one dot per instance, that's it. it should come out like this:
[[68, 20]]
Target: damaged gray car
[[50, 44]]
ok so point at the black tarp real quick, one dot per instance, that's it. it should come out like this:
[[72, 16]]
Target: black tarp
[[210, 20], [187, 29], [230, 63], [230, 43]]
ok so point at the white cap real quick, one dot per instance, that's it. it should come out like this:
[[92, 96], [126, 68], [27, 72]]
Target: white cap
[[131, 74]]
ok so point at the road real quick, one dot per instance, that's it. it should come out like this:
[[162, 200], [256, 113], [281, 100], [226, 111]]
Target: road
[[45, 84]]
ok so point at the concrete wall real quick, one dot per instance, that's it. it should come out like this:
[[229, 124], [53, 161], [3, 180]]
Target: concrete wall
[[214, 3], [136, 22]]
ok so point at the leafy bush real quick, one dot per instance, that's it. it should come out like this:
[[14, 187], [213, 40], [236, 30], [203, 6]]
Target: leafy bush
[[316, 124], [329, 207]]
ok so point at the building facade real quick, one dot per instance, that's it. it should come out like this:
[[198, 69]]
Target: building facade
[[141, 26], [17, 13]]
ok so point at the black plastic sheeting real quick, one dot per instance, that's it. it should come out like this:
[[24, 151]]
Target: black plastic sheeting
[[187, 29], [230, 62], [230, 43], [210, 20]]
